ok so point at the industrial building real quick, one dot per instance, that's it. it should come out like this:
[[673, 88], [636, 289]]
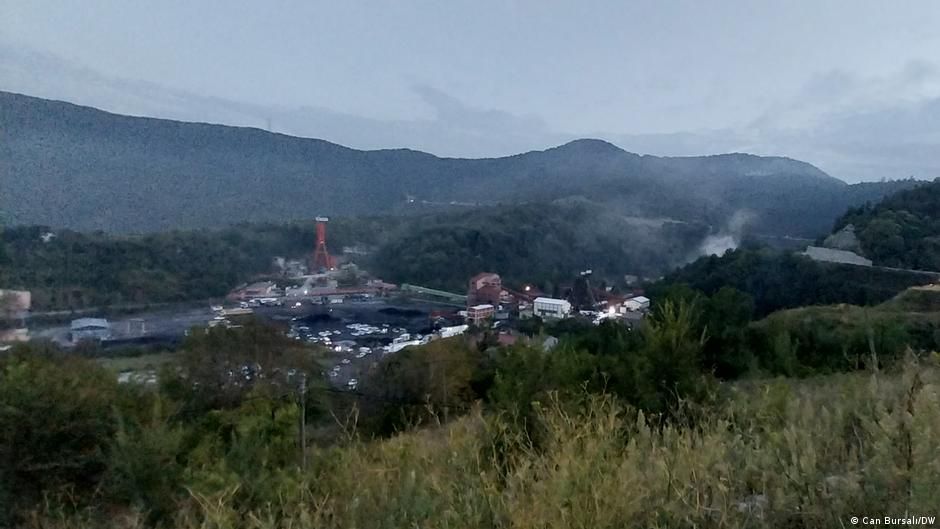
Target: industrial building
[[551, 308], [636, 304], [485, 287], [262, 289], [90, 329], [478, 314], [15, 304]]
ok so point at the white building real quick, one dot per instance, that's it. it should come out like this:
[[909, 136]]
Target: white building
[[637, 304], [90, 329], [449, 332], [551, 308]]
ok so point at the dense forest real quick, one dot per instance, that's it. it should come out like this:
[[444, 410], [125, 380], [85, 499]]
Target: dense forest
[[901, 231], [780, 279], [79, 168], [546, 244], [678, 418], [71, 270], [542, 243]]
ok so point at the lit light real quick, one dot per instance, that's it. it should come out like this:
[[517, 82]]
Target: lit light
[[611, 311], [528, 288]]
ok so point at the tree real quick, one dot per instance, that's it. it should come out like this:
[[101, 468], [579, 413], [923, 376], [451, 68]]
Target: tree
[[672, 356], [56, 425], [220, 366], [419, 384]]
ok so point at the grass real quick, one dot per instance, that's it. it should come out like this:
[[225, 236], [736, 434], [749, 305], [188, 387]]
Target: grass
[[775, 453]]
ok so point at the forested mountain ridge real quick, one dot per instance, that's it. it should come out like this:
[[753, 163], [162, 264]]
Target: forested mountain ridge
[[901, 231], [65, 165]]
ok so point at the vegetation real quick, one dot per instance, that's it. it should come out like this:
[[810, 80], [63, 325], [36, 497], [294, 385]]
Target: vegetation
[[779, 280], [610, 428], [544, 244], [73, 271], [79, 168], [901, 231], [771, 453]]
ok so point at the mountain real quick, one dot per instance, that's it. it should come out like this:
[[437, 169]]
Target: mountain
[[65, 165], [903, 230]]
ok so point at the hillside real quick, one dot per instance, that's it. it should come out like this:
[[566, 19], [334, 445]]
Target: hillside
[[845, 337], [783, 279], [901, 231], [70, 166], [545, 244]]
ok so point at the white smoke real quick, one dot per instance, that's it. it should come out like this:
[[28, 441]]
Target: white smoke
[[728, 238]]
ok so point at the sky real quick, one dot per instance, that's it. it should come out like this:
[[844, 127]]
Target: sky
[[852, 86]]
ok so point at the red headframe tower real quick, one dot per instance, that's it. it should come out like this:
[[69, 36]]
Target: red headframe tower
[[322, 260]]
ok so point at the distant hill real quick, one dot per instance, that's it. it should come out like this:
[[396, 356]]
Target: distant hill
[[70, 166], [901, 231]]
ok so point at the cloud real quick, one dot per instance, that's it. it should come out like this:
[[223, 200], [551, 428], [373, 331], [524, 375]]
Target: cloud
[[853, 127], [453, 112]]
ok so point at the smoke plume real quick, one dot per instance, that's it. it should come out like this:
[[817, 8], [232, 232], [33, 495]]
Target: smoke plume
[[729, 237]]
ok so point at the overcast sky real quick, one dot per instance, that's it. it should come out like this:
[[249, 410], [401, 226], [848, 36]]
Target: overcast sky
[[726, 74]]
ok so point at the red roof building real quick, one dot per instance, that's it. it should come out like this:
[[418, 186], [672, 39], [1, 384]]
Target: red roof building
[[484, 288]]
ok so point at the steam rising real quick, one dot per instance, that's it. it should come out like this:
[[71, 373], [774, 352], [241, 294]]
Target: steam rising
[[729, 238]]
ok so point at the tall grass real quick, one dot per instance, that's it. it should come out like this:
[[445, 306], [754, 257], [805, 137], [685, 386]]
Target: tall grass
[[779, 453]]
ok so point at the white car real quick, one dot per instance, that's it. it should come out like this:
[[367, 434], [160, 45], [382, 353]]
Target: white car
[[353, 383], [346, 360]]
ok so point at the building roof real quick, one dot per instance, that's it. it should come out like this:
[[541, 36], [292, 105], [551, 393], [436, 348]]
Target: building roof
[[90, 323], [484, 275], [552, 301], [484, 306], [640, 299], [261, 285]]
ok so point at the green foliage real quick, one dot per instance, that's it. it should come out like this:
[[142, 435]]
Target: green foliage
[[56, 421], [811, 340], [903, 230], [420, 385], [656, 369], [221, 366], [530, 243], [672, 354], [782, 453], [145, 464], [780, 280]]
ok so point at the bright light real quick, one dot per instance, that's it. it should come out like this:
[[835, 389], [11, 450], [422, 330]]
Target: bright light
[[528, 288], [611, 311]]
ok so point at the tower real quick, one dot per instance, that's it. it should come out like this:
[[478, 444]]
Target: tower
[[321, 257]]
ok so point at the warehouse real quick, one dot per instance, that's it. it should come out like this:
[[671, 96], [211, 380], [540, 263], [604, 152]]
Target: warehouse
[[90, 329], [551, 308]]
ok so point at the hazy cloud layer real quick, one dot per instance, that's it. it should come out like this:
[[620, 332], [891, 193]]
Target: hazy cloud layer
[[850, 85]]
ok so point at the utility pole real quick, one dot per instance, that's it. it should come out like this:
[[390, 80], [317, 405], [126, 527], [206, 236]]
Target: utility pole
[[303, 421]]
